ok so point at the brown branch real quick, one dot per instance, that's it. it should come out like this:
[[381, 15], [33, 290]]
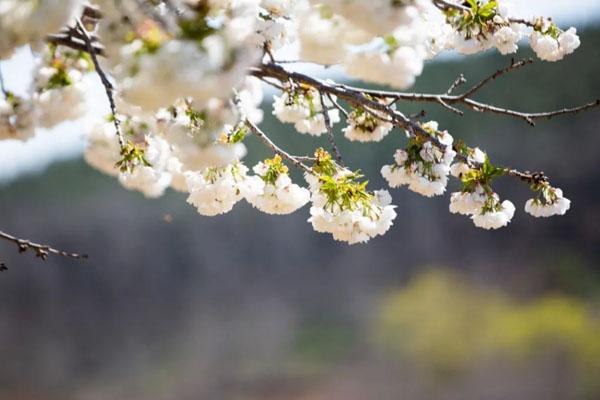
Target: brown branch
[[41, 250], [444, 100], [364, 98], [458, 82], [295, 160], [2, 85], [108, 87], [329, 127], [446, 5], [512, 67]]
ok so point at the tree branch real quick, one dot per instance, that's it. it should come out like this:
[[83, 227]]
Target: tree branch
[[108, 87], [295, 160], [364, 98], [41, 250], [329, 126]]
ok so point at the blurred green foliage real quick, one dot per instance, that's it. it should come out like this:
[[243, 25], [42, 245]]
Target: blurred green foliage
[[448, 324]]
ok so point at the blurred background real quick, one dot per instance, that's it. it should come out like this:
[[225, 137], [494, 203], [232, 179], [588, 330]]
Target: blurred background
[[172, 305]]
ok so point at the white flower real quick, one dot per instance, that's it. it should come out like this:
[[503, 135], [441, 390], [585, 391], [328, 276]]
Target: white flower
[[460, 168], [342, 207], [30, 21], [569, 41], [315, 125], [153, 179], [325, 38], [180, 69], [366, 126], [303, 108], [215, 191], [396, 176], [496, 218], [289, 110], [467, 203], [58, 91], [552, 203], [506, 38], [548, 48], [194, 134], [469, 46], [279, 197], [16, 119], [378, 17], [357, 225], [103, 151], [398, 69], [428, 173]]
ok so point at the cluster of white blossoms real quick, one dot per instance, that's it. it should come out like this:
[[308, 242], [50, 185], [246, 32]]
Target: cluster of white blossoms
[[550, 202], [492, 24], [215, 191], [56, 94], [424, 166], [365, 125], [16, 118], [58, 88], [477, 199], [141, 165], [303, 108], [186, 98], [342, 206], [277, 194], [552, 44], [483, 206], [216, 43], [195, 133], [30, 21], [486, 26], [151, 176]]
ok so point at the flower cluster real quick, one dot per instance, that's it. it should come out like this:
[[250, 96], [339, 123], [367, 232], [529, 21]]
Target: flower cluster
[[215, 191], [149, 173], [186, 99], [30, 21], [58, 89], [342, 206], [483, 206], [487, 24], [552, 44], [303, 108], [477, 199], [211, 50], [365, 125], [423, 166], [278, 195], [490, 24], [549, 202], [57, 94], [16, 118]]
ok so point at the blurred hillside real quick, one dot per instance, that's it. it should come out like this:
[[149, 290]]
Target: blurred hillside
[[251, 306]]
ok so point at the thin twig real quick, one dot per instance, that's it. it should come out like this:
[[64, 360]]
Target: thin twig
[[338, 106], [458, 82], [446, 5], [2, 87], [330, 135], [41, 250], [358, 94], [512, 67], [295, 160], [108, 87]]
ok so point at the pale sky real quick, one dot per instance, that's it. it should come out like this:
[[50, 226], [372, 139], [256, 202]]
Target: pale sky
[[67, 140]]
